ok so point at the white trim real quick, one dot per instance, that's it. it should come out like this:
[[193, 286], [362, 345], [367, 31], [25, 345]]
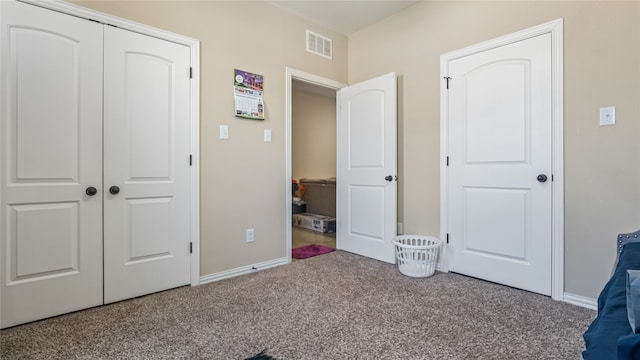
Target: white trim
[[1, 165], [243, 270], [557, 77], [581, 301], [290, 75], [444, 173], [555, 28], [82, 12], [195, 165], [194, 46]]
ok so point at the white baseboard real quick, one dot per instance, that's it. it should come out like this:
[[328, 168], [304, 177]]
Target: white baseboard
[[581, 301], [243, 270]]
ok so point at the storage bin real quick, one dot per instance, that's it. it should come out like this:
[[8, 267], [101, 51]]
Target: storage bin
[[320, 196], [319, 223], [417, 256]]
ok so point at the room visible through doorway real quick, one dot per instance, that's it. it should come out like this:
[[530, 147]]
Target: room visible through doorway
[[312, 84], [313, 165]]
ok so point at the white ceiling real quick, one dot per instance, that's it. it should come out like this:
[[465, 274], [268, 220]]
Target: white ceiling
[[344, 16]]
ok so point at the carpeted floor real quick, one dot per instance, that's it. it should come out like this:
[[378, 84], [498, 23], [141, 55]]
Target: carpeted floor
[[334, 306]]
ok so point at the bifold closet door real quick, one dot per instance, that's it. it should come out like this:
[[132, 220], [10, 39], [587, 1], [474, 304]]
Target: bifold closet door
[[146, 164], [70, 241], [51, 184]]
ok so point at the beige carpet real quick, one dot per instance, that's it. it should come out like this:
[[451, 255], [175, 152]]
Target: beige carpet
[[334, 306]]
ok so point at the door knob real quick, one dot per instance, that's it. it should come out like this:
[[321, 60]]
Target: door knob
[[114, 190], [388, 177], [91, 191], [542, 178]]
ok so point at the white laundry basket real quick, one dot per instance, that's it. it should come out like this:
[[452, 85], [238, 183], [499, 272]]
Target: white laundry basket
[[417, 256]]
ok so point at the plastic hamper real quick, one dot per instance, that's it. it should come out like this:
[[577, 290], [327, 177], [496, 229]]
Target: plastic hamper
[[417, 256]]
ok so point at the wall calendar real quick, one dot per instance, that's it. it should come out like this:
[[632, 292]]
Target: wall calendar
[[248, 88]]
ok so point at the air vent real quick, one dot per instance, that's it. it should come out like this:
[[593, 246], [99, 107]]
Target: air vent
[[319, 44]]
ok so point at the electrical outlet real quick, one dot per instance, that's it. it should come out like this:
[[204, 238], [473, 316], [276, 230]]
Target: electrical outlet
[[249, 235], [607, 115]]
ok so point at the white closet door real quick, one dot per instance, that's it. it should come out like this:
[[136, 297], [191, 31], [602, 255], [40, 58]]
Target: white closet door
[[51, 136], [146, 141], [500, 199]]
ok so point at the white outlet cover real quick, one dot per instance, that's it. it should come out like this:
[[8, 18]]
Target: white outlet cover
[[267, 135], [607, 115]]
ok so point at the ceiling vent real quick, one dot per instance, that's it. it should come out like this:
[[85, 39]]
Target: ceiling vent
[[319, 45]]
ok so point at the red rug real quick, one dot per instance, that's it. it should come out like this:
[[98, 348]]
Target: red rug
[[310, 251]]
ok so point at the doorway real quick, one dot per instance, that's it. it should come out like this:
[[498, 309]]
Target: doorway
[[366, 194], [311, 160], [313, 165]]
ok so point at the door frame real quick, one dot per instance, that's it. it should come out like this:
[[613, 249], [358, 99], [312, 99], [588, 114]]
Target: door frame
[[299, 75], [194, 119], [555, 28]]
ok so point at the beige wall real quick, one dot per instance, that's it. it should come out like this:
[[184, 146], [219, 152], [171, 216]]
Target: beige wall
[[601, 68], [313, 135], [243, 178]]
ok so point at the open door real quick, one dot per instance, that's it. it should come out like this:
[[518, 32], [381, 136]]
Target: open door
[[366, 205]]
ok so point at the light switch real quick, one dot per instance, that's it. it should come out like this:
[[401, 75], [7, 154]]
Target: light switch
[[224, 132], [607, 115], [267, 135]]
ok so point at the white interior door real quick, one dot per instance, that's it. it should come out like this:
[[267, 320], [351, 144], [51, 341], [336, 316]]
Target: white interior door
[[500, 122], [147, 157], [51, 139], [367, 167]]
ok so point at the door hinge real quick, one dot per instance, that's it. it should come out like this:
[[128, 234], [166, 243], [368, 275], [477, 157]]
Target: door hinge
[[552, 177], [190, 73], [447, 238], [447, 161], [190, 248], [447, 78], [190, 160]]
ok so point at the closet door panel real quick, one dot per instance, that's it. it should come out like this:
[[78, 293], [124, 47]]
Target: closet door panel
[[51, 136], [147, 157]]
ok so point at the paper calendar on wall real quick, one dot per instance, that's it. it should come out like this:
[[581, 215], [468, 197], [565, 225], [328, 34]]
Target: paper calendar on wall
[[248, 88]]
